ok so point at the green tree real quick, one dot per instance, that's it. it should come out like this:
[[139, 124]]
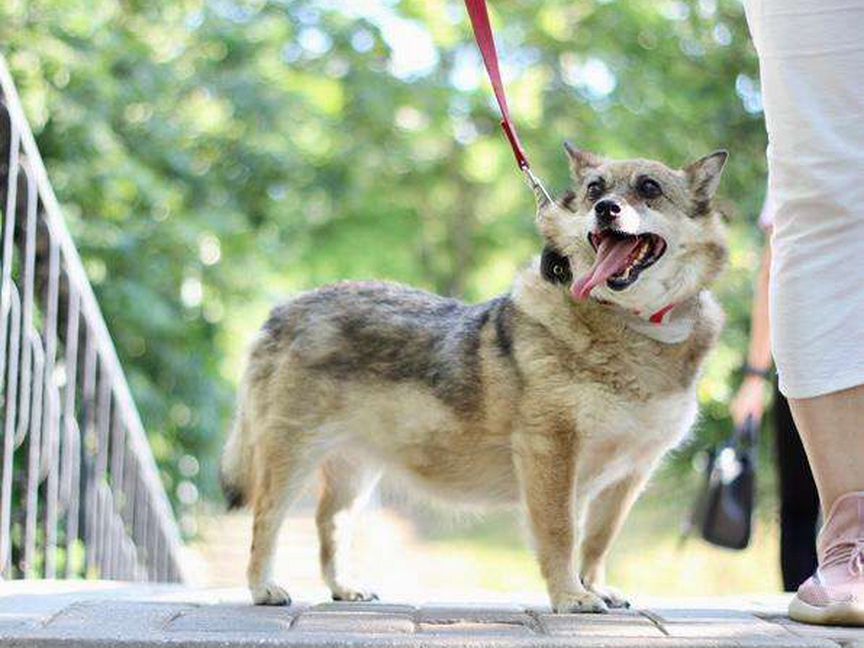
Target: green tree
[[214, 155]]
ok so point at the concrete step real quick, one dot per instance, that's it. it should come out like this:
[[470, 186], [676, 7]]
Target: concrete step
[[94, 613]]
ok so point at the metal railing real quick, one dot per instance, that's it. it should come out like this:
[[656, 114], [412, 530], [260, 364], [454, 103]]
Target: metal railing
[[80, 494]]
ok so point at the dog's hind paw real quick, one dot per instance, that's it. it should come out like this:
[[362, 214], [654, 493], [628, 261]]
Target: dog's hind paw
[[270, 594], [613, 598], [358, 595], [579, 602]]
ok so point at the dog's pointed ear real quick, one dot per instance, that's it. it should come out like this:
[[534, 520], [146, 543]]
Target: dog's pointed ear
[[703, 175], [580, 161]]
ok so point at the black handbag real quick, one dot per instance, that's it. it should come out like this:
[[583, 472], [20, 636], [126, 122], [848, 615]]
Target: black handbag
[[723, 514]]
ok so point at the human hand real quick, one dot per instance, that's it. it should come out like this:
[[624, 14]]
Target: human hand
[[749, 401]]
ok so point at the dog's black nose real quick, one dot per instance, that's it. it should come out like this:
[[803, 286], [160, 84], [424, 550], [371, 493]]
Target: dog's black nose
[[606, 211]]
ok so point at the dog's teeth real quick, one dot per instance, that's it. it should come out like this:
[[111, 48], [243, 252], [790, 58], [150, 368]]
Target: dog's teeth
[[642, 252]]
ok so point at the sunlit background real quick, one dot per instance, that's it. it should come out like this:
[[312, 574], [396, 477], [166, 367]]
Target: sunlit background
[[215, 156]]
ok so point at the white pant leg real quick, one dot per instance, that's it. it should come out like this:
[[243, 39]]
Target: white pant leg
[[811, 55]]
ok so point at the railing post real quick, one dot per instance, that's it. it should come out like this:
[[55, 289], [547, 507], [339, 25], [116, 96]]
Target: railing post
[[88, 466]]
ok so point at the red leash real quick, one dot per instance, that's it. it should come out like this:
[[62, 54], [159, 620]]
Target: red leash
[[486, 42]]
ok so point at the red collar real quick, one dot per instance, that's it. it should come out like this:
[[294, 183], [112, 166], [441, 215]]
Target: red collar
[[658, 317]]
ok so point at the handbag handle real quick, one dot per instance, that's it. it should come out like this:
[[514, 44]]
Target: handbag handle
[[745, 435]]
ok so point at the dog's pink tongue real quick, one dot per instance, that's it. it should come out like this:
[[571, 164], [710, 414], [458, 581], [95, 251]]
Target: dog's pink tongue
[[612, 255]]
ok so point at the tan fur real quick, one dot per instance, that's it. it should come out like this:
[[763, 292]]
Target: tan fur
[[565, 407]]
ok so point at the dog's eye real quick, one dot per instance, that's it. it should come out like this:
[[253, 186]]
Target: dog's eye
[[595, 189], [649, 188]]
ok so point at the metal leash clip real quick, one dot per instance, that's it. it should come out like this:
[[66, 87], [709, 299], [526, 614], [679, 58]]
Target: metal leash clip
[[540, 193]]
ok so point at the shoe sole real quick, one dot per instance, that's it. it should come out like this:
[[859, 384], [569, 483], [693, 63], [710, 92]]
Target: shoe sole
[[835, 614]]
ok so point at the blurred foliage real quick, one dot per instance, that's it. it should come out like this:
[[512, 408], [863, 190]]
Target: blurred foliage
[[213, 155]]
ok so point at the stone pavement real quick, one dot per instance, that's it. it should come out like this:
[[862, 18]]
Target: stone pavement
[[102, 614]]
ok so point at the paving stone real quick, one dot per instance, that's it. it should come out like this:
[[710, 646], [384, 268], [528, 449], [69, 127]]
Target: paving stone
[[353, 622], [475, 629], [35, 602], [616, 612], [233, 619], [364, 606], [599, 625], [701, 615], [28, 610], [513, 614], [836, 633], [162, 617], [730, 630], [115, 618], [614, 616]]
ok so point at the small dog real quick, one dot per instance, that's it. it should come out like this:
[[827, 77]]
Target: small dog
[[563, 395]]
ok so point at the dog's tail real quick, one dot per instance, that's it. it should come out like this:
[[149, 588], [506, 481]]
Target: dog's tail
[[234, 473]]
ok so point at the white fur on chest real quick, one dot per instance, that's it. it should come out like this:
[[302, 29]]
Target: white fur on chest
[[620, 437]]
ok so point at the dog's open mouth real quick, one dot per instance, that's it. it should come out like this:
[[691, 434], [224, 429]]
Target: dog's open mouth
[[621, 258]]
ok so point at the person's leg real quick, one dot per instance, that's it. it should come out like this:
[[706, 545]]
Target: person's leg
[[832, 429], [811, 58], [799, 501]]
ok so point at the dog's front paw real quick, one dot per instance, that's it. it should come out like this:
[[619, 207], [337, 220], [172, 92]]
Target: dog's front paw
[[270, 594], [611, 597], [353, 594], [579, 602]]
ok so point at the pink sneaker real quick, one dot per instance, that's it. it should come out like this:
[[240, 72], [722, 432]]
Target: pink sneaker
[[834, 595]]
